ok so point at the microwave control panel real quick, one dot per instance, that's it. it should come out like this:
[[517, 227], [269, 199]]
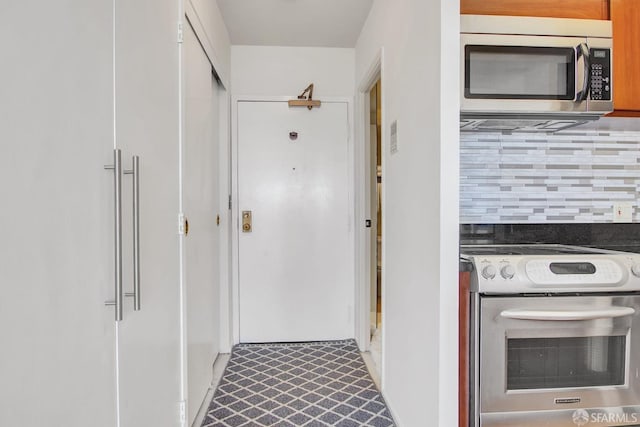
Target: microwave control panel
[[600, 74]]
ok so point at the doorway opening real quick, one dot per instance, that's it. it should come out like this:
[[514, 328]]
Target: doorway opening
[[375, 206]]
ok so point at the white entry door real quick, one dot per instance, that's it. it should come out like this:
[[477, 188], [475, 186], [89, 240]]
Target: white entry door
[[296, 264]]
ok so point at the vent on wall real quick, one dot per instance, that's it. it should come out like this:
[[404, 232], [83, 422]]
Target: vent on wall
[[541, 124]]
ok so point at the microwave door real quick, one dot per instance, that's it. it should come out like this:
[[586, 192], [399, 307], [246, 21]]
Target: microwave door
[[523, 74]]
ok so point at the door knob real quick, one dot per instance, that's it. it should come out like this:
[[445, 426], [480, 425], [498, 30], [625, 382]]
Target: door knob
[[246, 221]]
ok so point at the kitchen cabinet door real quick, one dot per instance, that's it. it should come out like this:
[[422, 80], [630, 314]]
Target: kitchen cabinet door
[[57, 363], [147, 99], [625, 15], [579, 9], [65, 360]]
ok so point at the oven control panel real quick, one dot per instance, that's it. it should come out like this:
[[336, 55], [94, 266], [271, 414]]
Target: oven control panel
[[575, 272], [562, 273]]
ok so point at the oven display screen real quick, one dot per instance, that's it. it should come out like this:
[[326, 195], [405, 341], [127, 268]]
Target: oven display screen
[[572, 268]]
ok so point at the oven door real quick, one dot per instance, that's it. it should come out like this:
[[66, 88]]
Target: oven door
[[543, 358], [523, 74]]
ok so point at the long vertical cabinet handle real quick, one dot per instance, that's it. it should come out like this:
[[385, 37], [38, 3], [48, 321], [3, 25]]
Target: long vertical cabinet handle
[[135, 171], [117, 184]]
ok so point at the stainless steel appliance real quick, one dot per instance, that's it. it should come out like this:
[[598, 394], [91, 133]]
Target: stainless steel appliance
[[555, 336], [534, 74]]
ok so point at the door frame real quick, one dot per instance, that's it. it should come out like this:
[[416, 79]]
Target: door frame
[[235, 216], [374, 72]]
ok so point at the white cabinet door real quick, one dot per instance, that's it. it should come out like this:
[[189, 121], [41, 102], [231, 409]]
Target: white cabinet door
[[147, 126], [201, 206], [296, 265], [57, 363], [64, 359]]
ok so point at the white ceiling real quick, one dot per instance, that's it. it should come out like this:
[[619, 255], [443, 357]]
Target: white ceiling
[[327, 23]]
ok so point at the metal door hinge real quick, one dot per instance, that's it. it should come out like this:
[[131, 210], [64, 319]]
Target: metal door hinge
[[180, 35], [182, 412], [229, 201], [183, 224]]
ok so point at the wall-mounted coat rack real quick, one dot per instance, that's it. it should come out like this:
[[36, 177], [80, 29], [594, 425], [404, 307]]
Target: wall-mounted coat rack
[[305, 99]]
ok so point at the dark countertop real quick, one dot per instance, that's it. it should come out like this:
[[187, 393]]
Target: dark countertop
[[604, 235]]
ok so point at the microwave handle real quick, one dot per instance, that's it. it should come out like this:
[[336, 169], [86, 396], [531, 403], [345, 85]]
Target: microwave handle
[[563, 315], [582, 51]]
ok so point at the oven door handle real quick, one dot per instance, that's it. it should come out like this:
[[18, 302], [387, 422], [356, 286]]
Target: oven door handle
[[562, 315]]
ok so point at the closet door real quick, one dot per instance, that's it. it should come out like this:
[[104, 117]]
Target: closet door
[[57, 363], [147, 121], [202, 207]]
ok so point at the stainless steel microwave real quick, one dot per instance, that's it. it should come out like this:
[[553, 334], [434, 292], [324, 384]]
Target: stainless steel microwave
[[521, 68]]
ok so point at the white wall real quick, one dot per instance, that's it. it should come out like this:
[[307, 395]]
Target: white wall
[[420, 225], [287, 71]]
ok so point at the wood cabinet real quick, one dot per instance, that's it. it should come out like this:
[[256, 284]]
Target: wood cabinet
[[463, 347], [625, 15], [579, 9]]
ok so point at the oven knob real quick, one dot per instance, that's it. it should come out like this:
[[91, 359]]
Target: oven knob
[[635, 269], [489, 272], [508, 271]]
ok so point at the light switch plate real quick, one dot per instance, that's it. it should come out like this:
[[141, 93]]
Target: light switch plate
[[622, 212]]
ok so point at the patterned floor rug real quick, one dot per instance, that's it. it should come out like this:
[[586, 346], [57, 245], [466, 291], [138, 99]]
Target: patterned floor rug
[[287, 385]]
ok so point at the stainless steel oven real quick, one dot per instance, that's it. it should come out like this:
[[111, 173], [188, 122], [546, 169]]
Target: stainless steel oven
[[548, 356], [556, 336]]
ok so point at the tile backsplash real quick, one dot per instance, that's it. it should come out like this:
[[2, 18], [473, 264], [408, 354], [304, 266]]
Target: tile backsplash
[[568, 177]]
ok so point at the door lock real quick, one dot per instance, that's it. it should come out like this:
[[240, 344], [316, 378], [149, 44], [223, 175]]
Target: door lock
[[246, 221]]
